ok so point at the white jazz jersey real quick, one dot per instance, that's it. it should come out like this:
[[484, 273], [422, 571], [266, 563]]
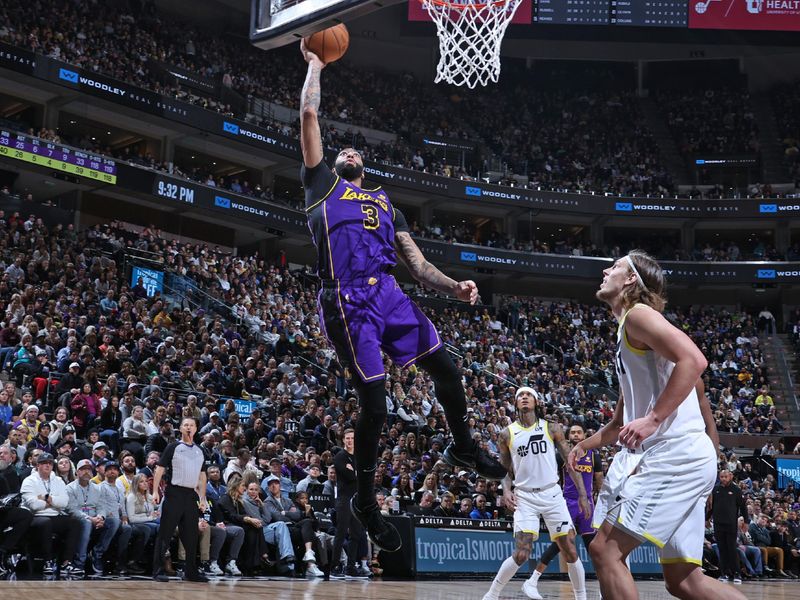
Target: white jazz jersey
[[533, 455], [643, 375]]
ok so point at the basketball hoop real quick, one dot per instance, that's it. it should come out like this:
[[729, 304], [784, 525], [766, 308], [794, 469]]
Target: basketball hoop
[[469, 39]]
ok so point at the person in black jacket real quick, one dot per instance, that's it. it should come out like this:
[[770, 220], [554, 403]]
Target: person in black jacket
[[158, 442], [727, 506], [254, 552], [14, 520], [110, 424], [345, 523]]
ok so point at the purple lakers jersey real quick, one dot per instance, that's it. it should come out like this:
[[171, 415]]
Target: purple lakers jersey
[[353, 230], [585, 467]]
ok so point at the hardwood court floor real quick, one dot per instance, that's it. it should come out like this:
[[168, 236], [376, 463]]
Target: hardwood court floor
[[338, 590]]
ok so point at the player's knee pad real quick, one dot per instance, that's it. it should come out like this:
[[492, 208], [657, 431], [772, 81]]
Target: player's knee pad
[[372, 400]]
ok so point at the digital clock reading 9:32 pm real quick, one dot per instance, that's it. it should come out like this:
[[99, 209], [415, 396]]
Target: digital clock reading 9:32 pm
[[179, 192], [55, 156]]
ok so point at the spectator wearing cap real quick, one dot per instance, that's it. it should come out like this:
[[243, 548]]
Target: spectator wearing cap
[[45, 495], [99, 453], [14, 520], [214, 422], [71, 382], [311, 479], [86, 505], [276, 469]]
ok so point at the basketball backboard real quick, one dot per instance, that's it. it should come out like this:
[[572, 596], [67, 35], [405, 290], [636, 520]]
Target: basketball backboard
[[275, 23]]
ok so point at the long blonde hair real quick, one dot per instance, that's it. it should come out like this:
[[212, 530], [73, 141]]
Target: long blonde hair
[[650, 287]]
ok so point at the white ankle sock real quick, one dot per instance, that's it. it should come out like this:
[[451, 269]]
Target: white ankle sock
[[578, 579], [534, 576], [507, 570]]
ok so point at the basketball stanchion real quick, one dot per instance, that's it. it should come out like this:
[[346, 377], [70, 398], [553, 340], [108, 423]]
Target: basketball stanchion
[[470, 35]]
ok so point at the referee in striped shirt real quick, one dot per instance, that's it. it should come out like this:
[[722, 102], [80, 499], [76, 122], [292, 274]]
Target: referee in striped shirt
[[184, 497]]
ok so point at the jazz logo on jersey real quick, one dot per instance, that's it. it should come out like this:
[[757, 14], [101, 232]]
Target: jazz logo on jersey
[[535, 445], [351, 194]]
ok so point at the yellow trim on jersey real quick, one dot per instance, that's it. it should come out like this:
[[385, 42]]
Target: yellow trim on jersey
[[558, 535], [511, 438], [521, 428], [682, 559], [325, 197], [369, 190], [637, 351], [547, 431], [349, 339], [328, 237]]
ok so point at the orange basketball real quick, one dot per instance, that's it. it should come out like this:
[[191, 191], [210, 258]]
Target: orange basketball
[[329, 44]]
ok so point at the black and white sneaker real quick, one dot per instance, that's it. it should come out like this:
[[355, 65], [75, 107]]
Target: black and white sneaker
[[381, 533], [72, 569], [356, 572], [50, 567], [338, 572], [477, 459]]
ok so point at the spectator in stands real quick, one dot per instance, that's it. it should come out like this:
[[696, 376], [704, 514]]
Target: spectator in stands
[[45, 495], [762, 538], [447, 506], [143, 515], [276, 532], [479, 511], [14, 520]]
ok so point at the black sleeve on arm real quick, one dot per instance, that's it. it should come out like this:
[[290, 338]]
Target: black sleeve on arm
[[342, 472], [400, 223], [165, 460], [317, 182], [597, 462]]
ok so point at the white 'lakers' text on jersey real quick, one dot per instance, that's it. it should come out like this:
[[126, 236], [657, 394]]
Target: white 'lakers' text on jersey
[[643, 375], [533, 455]]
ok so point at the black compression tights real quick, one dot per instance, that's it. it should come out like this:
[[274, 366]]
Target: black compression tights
[[372, 416]]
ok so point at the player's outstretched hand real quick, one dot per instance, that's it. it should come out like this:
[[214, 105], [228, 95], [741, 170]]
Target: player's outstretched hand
[[637, 431], [508, 500], [575, 455], [467, 291], [309, 56]]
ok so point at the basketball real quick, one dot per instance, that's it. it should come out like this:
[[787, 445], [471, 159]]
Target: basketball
[[329, 44]]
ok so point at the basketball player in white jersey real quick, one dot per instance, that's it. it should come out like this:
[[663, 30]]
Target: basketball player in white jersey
[[658, 492], [528, 451]]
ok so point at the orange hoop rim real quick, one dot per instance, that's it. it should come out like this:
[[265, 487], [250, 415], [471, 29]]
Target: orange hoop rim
[[471, 5]]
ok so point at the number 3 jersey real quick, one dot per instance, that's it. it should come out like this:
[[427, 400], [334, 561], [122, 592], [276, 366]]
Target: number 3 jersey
[[533, 455], [353, 228]]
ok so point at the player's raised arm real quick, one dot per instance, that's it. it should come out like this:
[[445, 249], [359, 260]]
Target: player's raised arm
[[310, 137], [427, 274], [648, 327]]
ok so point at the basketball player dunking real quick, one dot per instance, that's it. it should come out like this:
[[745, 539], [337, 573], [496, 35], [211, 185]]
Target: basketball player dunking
[[358, 235], [590, 468], [669, 465], [528, 451]]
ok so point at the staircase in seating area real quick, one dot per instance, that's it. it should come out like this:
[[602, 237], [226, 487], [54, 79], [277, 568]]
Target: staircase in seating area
[[775, 170], [781, 360], [673, 161]]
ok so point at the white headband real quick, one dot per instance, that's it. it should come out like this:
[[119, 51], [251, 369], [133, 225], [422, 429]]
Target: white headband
[[635, 272], [523, 389]]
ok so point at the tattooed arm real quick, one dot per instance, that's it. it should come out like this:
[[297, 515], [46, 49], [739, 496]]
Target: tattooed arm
[[427, 274], [310, 137], [557, 433], [509, 500]]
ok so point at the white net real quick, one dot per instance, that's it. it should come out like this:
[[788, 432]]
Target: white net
[[469, 39]]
